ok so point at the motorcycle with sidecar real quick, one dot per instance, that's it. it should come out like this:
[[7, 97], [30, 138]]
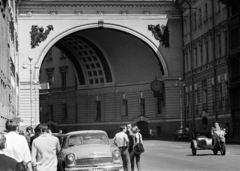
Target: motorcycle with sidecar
[[202, 142]]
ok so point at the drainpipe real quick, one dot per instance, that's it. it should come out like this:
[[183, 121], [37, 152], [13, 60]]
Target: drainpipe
[[192, 74], [214, 64]]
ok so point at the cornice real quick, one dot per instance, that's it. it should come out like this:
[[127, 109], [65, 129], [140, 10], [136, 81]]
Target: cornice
[[124, 4], [39, 7]]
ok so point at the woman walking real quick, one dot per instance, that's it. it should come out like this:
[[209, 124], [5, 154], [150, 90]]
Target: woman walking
[[137, 139]]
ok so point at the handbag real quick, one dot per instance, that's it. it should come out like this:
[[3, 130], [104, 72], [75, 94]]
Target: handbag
[[138, 149]]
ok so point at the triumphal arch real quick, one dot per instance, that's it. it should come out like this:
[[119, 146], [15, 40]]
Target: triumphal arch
[[100, 64]]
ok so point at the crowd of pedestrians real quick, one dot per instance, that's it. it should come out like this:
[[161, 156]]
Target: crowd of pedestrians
[[28, 152], [126, 140]]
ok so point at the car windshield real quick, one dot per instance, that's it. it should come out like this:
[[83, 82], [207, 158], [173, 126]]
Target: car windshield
[[87, 138]]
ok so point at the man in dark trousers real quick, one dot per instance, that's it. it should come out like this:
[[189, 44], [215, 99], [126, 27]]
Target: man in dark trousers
[[130, 146], [6, 163], [122, 142]]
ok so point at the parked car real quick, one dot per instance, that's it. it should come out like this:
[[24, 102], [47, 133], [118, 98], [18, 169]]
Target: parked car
[[182, 134], [88, 150]]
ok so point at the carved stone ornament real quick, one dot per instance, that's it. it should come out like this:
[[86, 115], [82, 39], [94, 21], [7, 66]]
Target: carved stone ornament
[[38, 34], [160, 33]]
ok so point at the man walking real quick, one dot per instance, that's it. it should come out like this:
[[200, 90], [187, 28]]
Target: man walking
[[121, 141], [44, 150], [6, 163], [17, 146]]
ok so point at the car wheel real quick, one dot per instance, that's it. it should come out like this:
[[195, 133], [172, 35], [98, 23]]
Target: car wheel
[[194, 151], [223, 149]]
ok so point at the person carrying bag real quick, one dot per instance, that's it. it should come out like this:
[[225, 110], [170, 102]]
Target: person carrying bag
[[138, 148]]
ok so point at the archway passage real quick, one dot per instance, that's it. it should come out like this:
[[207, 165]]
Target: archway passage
[[143, 126], [89, 71]]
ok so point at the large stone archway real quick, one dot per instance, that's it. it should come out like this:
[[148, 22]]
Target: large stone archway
[[106, 25], [134, 20]]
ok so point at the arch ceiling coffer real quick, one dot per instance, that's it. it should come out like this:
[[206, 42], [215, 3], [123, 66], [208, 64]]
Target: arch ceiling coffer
[[91, 58]]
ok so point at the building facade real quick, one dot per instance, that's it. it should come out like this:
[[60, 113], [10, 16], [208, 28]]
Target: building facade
[[233, 61], [8, 62], [98, 61], [206, 76]]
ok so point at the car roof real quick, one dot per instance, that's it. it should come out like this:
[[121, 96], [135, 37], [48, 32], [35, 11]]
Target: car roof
[[85, 131]]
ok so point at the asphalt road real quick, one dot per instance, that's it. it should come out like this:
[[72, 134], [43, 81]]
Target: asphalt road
[[177, 156]]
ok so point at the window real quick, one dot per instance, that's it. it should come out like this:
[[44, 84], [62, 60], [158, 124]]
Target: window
[[213, 101], [63, 71], [201, 54], [196, 58], [200, 16], [207, 52], [225, 43], [220, 96], [64, 111], [142, 107], [64, 80], [205, 95], [50, 76], [159, 105], [206, 12], [98, 110], [51, 112], [234, 38], [125, 107], [218, 6], [205, 101], [186, 62], [185, 27], [194, 20], [76, 112], [219, 45], [189, 61]]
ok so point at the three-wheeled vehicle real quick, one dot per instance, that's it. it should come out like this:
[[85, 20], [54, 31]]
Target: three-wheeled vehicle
[[203, 142]]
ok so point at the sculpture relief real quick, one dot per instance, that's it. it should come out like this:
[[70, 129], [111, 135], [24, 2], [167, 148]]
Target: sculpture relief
[[38, 34], [160, 33]]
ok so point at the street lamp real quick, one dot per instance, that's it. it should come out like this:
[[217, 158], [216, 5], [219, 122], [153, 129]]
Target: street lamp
[[181, 85], [25, 66]]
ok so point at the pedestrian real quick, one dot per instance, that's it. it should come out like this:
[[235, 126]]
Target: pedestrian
[[36, 134], [6, 163], [122, 142], [44, 150], [137, 139], [227, 130], [130, 146], [29, 134], [17, 146]]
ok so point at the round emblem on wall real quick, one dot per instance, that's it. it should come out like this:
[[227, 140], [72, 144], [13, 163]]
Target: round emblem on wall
[[156, 85]]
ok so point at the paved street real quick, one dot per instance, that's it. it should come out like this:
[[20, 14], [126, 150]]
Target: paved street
[[174, 155]]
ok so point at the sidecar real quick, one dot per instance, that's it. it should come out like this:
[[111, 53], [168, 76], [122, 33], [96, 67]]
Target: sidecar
[[201, 143], [204, 143]]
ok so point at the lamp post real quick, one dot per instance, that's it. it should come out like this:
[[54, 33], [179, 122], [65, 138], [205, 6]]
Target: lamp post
[[181, 85], [25, 66]]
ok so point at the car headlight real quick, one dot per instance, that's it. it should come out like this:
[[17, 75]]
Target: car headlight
[[116, 154], [70, 158]]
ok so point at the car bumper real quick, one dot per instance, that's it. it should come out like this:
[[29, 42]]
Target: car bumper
[[97, 168]]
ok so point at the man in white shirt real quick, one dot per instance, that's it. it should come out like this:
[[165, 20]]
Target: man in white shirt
[[17, 146], [122, 142], [44, 150]]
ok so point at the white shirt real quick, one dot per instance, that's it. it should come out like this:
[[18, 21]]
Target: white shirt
[[121, 139], [17, 147], [44, 152]]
